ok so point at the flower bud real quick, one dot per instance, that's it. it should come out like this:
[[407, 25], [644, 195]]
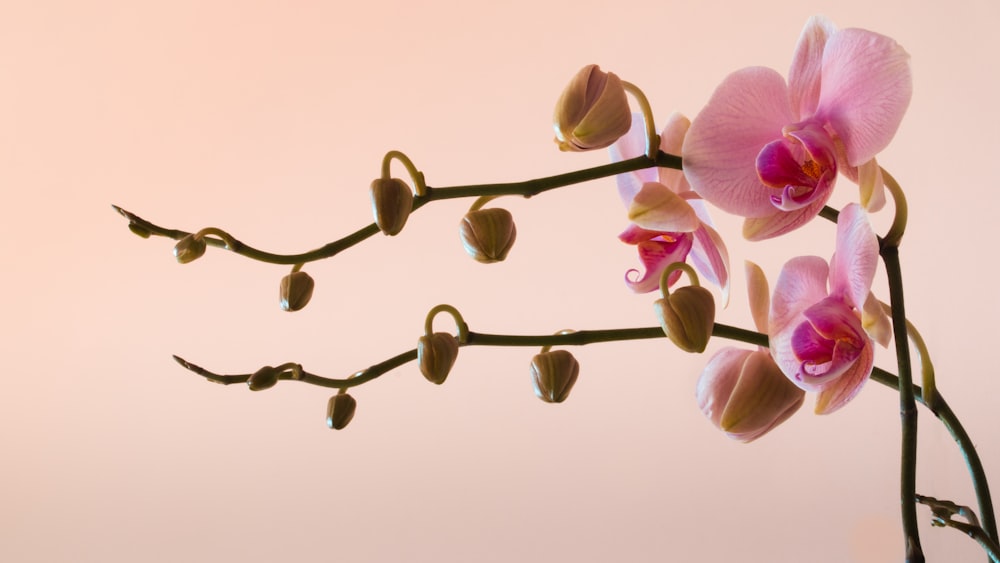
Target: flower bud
[[687, 316], [264, 378], [340, 411], [745, 394], [189, 249], [392, 201], [139, 230], [488, 234], [553, 375], [436, 354], [295, 291], [592, 112]]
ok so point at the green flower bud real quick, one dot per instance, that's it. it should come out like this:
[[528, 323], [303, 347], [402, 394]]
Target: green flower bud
[[687, 316], [264, 378], [189, 249], [592, 112], [488, 234], [436, 354], [553, 375], [295, 291], [340, 411], [392, 201]]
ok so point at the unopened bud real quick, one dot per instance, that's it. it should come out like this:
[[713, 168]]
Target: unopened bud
[[745, 394], [139, 229], [553, 375], [189, 249], [436, 354], [392, 201], [488, 234], [295, 291], [264, 378], [592, 112], [687, 316], [340, 411]]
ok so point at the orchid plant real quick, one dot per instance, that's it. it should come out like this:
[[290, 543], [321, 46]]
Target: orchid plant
[[762, 148]]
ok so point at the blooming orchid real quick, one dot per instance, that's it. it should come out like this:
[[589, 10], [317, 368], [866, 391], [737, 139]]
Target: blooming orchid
[[770, 151], [669, 222], [823, 317]]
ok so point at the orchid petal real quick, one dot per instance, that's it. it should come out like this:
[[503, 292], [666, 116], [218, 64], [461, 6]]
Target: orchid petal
[[801, 283], [866, 88], [710, 257], [876, 322], [807, 64], [872, 186], [655, 256], [852, 269], [760, 387], [635, 234], [631, 145], [746, 112], [760, 298], [839, 392], [780, 222], [718, 380], [672, 142], [656, 207]]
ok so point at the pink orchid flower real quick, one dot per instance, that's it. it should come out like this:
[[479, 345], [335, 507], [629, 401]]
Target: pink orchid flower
[[670, 223], [770, 151], [823, 317]]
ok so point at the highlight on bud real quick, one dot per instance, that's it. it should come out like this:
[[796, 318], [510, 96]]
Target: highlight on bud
[[745, 394], [189, 248], [436, 354], [392, 202], [488, 234], [687, 315], [340, 410], [264, 378], [553, 374], [592, 112], [295, 291]]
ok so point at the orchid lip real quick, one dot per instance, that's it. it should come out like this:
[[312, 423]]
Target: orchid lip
[[801, 165]]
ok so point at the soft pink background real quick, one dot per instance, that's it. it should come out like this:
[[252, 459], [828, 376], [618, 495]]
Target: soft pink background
[[269, 119]]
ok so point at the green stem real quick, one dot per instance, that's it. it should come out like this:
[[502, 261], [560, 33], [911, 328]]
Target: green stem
[[527, 188], [907, 406]]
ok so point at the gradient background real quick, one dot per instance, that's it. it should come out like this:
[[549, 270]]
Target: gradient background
[[269, 119]]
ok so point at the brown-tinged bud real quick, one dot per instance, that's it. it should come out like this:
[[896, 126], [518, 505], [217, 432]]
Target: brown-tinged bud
[[553, 375], [745, 394], [189, 249], [436, 354], [264, 378], [139, 230], [687, 316], [592, 112], [295, 291], [392, 201], [340, 411], [488, 234]]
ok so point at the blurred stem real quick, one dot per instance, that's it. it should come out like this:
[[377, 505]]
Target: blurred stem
[[527, 188]]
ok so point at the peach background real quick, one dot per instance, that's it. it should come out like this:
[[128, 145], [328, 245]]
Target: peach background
[[269, 119]]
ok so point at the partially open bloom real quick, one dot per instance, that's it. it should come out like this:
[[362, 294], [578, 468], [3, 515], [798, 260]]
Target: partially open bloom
[[818, 315], [669, 222], [770, 151], [743, 392], [592, 111]]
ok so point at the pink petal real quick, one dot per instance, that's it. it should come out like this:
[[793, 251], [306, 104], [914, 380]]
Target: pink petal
[[852, 269], [655, 256], [781, 222], [710, 257], [866, 88], [877, 323], [671, 142], [631, 145], [844, 388], [746, 112], [758, 293], [656, 207], [717, 381], [635, 234], [801, 284], [807, 64]]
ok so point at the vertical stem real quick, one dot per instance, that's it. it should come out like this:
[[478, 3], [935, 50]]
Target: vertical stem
[[907, 407]]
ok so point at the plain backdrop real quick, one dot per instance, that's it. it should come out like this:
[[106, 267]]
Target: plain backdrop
[[269, 119]]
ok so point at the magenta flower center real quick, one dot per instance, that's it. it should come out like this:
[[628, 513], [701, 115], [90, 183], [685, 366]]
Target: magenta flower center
[[801, 165], [829, 341]]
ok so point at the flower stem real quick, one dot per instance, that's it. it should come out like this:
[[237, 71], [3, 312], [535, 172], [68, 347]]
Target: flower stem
[[907, 406], [527, 188]]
